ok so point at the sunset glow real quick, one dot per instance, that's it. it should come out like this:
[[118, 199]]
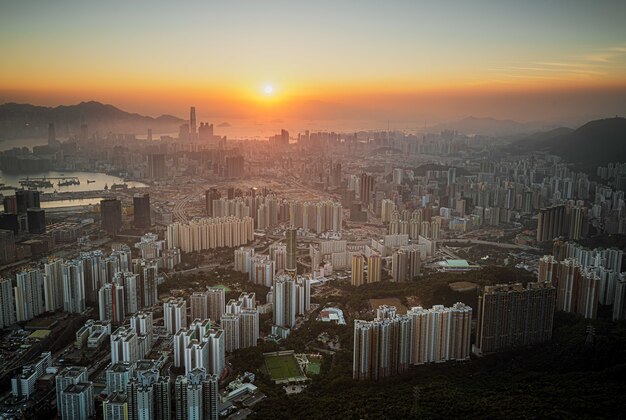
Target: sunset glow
[[401, 58]]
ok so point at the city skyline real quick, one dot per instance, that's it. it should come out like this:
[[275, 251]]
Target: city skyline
[[559, 62]]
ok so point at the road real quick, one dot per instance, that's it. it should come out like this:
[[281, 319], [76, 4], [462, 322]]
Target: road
[[489, 243]]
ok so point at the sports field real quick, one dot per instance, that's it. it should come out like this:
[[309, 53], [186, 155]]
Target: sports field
[[282, 366]]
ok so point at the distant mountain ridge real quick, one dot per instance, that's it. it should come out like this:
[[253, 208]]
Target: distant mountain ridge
[[31, 121], [490, 127], [596, 142]]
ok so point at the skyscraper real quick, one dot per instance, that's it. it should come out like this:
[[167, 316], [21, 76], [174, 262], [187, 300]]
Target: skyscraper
[[29, 301], [149, 396], [53, 284], [175, 314], [73, 287], [26, 199], [284, 301], [115, 406], [77, 401], [36, 220], [156, 166], [52, 136], [111, 303], [358, 270], [7, 304], [217, 303], [192, 123], [70, 375], [7, 246], [292, 247], [111, 215], [510, 315], [141, 209], [196, 396], [381, 347], [199, 302]]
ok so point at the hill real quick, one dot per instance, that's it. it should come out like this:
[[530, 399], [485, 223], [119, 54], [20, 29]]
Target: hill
[[490, 127], [597, 142], [30, 121]]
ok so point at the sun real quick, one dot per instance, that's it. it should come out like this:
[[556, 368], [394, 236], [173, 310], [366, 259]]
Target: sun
[[268, 89]]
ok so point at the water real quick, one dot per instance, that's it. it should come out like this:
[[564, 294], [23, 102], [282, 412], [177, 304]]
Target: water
[[30, 143], [70, 203], [100, 181]]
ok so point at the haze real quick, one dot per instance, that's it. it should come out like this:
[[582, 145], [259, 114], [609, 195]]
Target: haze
[[408, 62]]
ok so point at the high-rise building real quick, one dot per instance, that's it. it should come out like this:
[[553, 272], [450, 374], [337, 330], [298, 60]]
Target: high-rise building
[[578, 289], [70, 375], [118, 375], [142, 324], [196, 396], [26, 199], [358, 270], [205, 132], [7, 304], [90, 263], [381, 347], [115, 407], [132, 290], [175, 314], [405, 264], [231, 324], [111, 303], [10, 204], [217, 303], [77, 401], [619, 303], [52, 136], [440, 334], [53, 284], [111, 215], [249, 327], [550, 223], [199, 302], [366, 187], [510, 316], [7, 247], [210, 233], [192, 123], [284, 297], [36, 220], [292, 248], [124, 346], [156, 166], [210, 195], [29, 301], [73, 287], [141, 211], [148, 278], [374, 268], [149, 396]]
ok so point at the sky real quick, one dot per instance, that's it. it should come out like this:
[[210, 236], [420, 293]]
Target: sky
[[416, 62]]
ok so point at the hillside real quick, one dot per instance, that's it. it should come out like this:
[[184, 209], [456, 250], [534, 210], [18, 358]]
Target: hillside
[[596, 142], [30, 121], [490, 127]]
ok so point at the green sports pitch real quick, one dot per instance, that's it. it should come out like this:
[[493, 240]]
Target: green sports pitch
[[282, 366]]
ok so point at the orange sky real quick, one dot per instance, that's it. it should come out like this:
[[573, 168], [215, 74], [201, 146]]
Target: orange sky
[[405, 60]]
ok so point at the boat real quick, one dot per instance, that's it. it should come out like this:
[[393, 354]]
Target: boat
[[115, 187], [90, 181], [106, 186]]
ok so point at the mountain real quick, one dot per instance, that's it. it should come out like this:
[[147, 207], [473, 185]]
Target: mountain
[[30, 121], [490, 127], [597, 142]]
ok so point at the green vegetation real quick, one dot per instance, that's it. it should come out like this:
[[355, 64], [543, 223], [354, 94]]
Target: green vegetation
[[565, 378], [282, 366], [313, 368], [432, 289]]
